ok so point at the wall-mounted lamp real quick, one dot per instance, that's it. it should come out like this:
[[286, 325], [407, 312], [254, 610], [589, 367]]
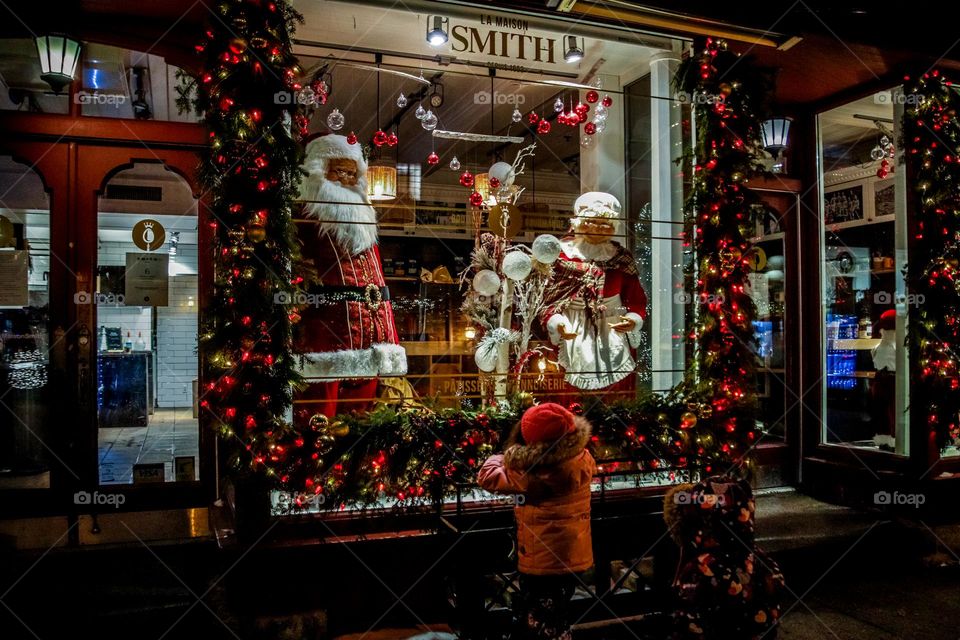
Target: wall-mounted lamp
[[776, 137], [437, 27], [574, 50], [58, 60]]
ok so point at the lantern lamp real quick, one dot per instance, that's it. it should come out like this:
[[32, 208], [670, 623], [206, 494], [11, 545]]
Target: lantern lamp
[[573, 52], [437, 35], [776, 137], [381, 182], [58, 60]]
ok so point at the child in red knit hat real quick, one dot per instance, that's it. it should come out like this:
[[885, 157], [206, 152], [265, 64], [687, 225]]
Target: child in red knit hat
[[547, 466]]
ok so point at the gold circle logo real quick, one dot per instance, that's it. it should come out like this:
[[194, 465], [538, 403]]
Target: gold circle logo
[[148, 235]]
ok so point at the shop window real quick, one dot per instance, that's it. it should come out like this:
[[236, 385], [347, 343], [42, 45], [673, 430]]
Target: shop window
[[146, 306], [428, 230], [122, 83], [26, 396], [864, 253], [21, 88]]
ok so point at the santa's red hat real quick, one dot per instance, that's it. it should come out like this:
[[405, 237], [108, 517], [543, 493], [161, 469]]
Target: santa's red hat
[[546, 422], [324, 147], [888, 321]]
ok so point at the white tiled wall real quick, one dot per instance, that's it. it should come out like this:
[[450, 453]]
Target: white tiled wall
[[177, 344]]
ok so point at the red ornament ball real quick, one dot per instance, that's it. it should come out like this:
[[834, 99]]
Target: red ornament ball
[[466, 179], [575, 408], [379, 138], [607, 101], [476, 198], [494, 183], [590, 128], [392, 139], [543, 127], [352, 138], [581, 108], [433, 158], [532, 117], [592, 96]]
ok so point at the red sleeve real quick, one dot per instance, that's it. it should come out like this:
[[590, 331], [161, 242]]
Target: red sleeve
[[633, 296]]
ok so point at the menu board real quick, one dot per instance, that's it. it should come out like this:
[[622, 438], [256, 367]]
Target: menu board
[[13, 279], [147, 280]]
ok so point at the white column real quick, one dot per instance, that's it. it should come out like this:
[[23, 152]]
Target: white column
[[602, 164], [667, 308]]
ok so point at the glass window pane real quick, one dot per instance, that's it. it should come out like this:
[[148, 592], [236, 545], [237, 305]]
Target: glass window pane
[[864, 254], [26, 440], [146, 306]]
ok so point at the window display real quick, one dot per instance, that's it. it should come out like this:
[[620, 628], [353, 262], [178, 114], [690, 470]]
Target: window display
[[864, 256]]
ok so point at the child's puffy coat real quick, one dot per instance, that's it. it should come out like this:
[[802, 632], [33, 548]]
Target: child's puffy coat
[[552, 480]]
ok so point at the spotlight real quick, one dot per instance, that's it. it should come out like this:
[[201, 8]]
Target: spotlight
[[573, 52], [438, 34]]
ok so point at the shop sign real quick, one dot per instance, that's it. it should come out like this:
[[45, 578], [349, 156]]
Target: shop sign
[[504, 42], [147, 279], [148, 235]]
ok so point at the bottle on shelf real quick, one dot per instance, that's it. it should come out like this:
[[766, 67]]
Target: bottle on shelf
[[128, 343], [141, 345], [103, 338]]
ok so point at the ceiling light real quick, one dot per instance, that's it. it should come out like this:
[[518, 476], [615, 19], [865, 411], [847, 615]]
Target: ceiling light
[[573, 52], [438, 34], [58, 60]]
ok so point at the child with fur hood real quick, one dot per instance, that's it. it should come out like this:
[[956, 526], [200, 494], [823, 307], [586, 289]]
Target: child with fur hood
[[548, 467]]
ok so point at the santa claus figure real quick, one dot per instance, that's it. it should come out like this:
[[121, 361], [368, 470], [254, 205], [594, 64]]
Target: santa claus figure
[[597, 305], [346, 337]]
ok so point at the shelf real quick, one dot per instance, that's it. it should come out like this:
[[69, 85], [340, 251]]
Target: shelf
[[854, 344], [770, 237], [401, 279]]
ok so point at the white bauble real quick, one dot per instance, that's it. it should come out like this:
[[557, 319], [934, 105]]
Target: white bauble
[[486, 360], [546, 248], [503, 172], [517, 265], [486, 282], [775, 262]]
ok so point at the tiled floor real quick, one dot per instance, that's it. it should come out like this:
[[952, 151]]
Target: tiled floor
[[170, 433]]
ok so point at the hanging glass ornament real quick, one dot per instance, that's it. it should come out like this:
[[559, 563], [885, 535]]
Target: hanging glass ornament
[[590, 128], [476, 198], [607, 101], [379, 138], [601, 126], [558, 105], [455, 164], [335, 120], [392, 139], [592, 96], [516, 116], [581, 108], [420, 112], [543, 127], [433, 158], [586, 141], [876, 153], [401, 100], [600, 117], [600, 110], [429, 121], [466, 178], [352, 138], [598, 83]]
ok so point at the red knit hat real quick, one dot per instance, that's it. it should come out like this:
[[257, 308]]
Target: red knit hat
[[545, 422]]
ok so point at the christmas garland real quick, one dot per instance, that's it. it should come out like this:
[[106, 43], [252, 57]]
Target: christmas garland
[[931, 134], [251, 171], [720, 220]]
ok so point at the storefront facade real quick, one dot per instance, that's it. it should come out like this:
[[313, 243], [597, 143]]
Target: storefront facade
[[90, 185]]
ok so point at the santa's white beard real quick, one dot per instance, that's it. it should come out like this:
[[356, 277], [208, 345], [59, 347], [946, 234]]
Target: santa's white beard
[[344, 212]]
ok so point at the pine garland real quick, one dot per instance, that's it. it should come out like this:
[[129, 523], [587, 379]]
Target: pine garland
[[727, 93], [251, 172], [931, 138]]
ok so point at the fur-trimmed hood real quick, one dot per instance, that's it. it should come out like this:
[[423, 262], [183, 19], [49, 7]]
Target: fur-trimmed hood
[[552, 453]]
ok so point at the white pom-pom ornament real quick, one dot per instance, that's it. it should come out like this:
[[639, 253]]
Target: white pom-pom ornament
[[502, 171], [517, 265], [486, 282], [546, 249], [486, 360]]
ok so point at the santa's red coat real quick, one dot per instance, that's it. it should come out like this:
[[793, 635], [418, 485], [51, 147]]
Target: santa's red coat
[[346, 330]]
